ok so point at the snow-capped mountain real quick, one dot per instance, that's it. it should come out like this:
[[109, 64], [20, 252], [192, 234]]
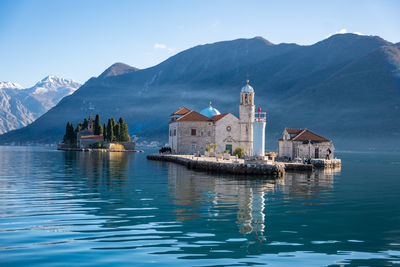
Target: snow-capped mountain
[[52, 89], [10, 85], [21, 106]]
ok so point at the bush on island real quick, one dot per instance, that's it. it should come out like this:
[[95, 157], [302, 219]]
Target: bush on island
[[240, 152], [165, 149], [96, 145]]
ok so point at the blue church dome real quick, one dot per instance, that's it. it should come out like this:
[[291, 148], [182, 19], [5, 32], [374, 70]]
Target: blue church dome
[[247, 88], [210, 111]]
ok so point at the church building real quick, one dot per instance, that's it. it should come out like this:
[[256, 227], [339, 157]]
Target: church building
[[191, 131]]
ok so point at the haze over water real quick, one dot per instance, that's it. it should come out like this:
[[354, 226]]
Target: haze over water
[[60, 208]]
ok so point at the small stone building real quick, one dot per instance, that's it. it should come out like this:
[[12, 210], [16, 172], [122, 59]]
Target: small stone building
[[304, 144]]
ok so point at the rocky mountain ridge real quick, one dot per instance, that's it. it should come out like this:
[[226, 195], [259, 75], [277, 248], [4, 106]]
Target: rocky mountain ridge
[[21, 106]]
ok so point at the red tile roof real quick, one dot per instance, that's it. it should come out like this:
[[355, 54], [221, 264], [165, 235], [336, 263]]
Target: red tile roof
[[193, 116], [218, 117], [293, 131], [99, 137], [181, 111], [307, 135]]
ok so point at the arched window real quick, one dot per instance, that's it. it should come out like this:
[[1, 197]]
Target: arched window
[[245, 99]]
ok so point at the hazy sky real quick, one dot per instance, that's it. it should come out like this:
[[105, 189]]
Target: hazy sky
[[80, 39]]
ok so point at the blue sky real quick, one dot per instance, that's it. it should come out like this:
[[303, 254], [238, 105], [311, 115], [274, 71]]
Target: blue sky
[[80, 39]]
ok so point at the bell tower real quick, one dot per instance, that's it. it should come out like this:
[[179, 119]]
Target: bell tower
[[246, 118]]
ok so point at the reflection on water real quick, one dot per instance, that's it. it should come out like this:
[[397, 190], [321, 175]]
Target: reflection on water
[[116, 208], [247, 194]]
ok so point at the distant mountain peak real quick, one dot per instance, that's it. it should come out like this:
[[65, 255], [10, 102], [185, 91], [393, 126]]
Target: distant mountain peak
[[354, 36], [263, 39], [10, 85], [118, 69]]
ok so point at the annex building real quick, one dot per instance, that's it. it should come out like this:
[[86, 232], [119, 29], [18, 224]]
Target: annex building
[[304, 144]]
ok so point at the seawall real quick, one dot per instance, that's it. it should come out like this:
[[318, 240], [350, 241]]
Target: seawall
[[231, 167]]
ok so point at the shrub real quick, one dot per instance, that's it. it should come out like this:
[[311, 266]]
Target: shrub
[[208, 148], [214, 146], [96, 145], [165, 149], [240, 152]]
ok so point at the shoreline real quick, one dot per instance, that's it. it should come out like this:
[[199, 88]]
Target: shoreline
[[97, 150]]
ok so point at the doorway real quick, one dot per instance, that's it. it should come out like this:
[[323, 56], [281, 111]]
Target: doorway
[[229, 147], [316, 152]]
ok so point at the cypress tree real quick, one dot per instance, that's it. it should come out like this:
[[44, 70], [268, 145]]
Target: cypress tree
[[105, 131], [123, 131], [117, 130], [97, 129], [71, 134], [79, 127], [85, 124], [110, 131], [66, 137]]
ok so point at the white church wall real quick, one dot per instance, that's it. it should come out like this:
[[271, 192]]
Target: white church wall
[[222, 134]]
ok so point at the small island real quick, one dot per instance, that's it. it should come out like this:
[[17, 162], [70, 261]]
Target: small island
[[90, 135]]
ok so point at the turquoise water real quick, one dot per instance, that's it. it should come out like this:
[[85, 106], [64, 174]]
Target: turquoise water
[[81, 208]]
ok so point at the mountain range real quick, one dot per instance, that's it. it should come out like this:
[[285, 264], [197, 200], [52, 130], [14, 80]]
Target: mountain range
[[20, 106], [345, 87]]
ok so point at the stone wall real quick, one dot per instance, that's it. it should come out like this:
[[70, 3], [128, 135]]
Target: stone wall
[[301, 150], [190, 144], [115, 145], [276, 170]]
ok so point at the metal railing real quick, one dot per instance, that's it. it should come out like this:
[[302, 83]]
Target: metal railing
[[260, 116]]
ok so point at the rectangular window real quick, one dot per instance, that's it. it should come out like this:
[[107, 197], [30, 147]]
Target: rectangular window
[[193, 146], [174, 132], [201, 133], [193, 131], [209, 133]]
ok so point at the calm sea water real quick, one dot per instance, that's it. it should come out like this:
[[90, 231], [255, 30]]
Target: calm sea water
[[81, 208]]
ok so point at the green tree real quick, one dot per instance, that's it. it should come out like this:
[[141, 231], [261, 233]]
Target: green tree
[[66, 137], [105, 131], [240, 152], [123, 131], [79, 127], [85, 124], [72, 134], [97, 129], [117, 130], [110, 130]]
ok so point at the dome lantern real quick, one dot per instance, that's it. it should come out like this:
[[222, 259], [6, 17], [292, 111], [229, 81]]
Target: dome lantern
[[247, 88], [210, 111]]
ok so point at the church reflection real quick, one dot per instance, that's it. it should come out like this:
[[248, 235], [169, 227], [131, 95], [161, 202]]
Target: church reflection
[[247, 197]]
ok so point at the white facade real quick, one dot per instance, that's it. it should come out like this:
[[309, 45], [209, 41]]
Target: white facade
[[259, 138]]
